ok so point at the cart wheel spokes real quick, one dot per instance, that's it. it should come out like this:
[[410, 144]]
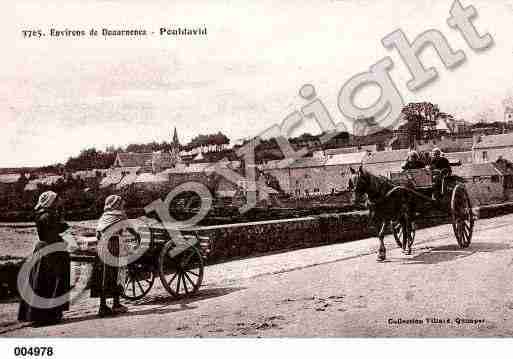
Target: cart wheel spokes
[[139, 281], [181, 274], [462, 216]]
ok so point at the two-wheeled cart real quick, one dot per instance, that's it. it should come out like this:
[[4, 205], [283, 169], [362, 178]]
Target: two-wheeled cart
[[453, 201], [178, 262]]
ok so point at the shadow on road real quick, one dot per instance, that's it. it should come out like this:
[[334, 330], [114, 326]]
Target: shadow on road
[[167, 299], [162, 305], [433, 255]]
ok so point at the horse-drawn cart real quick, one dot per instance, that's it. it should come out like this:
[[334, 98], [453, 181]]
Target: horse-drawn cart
[[453, 201], [180, 269]]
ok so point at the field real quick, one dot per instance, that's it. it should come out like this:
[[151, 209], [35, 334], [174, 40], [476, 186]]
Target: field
[[18, 241]]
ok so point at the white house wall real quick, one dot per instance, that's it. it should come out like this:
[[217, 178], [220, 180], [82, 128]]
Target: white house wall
[[323, 178], [492, 154]]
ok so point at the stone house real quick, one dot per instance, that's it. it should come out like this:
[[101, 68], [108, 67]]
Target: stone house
[[506, 169], [315, 176], [491, 148], [307, 177], [131, 160], [154, 162], [201, 173]]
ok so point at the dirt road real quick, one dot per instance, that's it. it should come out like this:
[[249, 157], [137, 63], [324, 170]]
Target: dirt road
[[337, 290]]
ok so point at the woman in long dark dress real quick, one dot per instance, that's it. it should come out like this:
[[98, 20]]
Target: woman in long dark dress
[[50, 276], [106, 280]]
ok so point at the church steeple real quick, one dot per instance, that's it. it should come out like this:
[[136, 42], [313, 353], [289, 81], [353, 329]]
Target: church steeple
[[176, 142]]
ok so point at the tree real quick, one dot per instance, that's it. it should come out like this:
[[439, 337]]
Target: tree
[[504, 164], [56, 168], [217, 139], [89, 159], [422, 119], [113, 149]]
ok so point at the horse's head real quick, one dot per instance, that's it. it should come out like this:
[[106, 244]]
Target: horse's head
[[358, 183]]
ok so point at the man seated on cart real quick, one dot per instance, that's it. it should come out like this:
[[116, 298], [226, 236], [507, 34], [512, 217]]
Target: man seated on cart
[[440, 168], [413, 161]]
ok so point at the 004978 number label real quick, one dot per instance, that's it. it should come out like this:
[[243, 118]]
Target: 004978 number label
[[33, 351]]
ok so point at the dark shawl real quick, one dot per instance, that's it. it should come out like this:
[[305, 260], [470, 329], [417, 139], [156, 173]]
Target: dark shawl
[[49, 277]]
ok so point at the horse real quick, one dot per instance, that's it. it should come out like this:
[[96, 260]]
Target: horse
[[387, 203]]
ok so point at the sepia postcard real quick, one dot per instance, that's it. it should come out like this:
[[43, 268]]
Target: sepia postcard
[[255, 169]]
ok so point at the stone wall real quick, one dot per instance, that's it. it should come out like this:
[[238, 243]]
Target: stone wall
[[495, 210], [249, 239], [484, 193]]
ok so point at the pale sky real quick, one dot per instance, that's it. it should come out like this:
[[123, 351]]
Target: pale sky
[[58, 96]]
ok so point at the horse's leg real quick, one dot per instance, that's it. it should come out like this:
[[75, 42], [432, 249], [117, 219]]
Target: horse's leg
[[407, 208], [412, 226], [412, 217], [407, 232], [401, 209], [382, 252]]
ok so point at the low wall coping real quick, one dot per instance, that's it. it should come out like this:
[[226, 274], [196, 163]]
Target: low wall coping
[[274, 221]]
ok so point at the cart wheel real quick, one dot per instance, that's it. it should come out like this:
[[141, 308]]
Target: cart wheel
[[398, 231], [462, 216], [180, 274], [139, 281]]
